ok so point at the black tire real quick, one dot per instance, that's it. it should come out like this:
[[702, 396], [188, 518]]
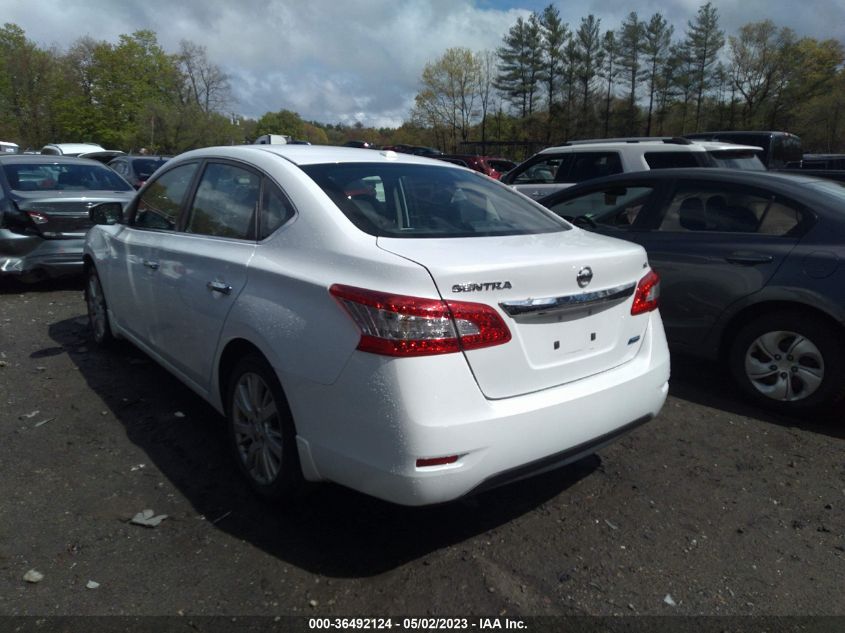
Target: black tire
[[98, 316], [264, 449], [789, 362]]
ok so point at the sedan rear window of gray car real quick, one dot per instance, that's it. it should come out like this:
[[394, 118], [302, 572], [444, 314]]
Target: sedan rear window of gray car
[[404, 200], [63, 177]]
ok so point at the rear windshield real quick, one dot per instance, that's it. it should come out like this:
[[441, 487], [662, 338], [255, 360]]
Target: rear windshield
[[63, 177], [503, 166], [738, 159], [402, 200]]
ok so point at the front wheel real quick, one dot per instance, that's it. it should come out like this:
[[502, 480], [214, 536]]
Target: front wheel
[[261, 429], [98, 316], [790, 362]]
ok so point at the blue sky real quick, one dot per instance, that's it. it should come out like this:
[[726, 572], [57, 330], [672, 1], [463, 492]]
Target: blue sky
[[358, 60]]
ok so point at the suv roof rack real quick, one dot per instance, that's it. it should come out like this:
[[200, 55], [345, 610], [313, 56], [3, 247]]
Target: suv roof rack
[[670, 140]]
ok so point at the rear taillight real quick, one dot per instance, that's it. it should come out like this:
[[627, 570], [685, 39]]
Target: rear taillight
[[397, 325], [37, 217], [647, 295]]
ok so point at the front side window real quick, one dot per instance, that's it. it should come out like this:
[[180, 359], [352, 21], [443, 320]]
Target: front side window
[[402, 200], [225, 202], [543, 171], [159, 206], [616, 206], [725, 209]]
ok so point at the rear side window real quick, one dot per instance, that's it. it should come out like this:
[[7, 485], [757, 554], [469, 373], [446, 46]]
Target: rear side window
[[402, 200], [276, 209], [670, 160], [724, 209], [589, 165], [158, 207], [738, 159]]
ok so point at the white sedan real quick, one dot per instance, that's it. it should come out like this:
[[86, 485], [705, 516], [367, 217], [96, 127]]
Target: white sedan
[[398, 325]]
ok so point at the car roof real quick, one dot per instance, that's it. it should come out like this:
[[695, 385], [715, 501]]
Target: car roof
[[740, 176], [46, 159], [75, 148], [646, 144], [313, 154]]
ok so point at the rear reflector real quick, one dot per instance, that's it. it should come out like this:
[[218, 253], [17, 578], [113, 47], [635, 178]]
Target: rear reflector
[[437, 461], [398, 325], [647, 294], [37, 217]]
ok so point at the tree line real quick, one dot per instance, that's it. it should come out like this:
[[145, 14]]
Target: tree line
[[550, 82]]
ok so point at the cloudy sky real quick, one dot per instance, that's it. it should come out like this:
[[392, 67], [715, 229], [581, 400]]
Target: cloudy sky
[[359, 60]]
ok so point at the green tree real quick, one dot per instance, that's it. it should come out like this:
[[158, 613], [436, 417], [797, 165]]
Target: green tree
[[657, 40], [281, 122], [704, 40], [631, 38], [521, 64], [609, 71], [555, 34], [589, 56]]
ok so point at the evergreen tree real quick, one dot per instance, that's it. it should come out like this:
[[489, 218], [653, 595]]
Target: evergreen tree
[[704, 39], [657, 39], [631, 39], [520, 64]]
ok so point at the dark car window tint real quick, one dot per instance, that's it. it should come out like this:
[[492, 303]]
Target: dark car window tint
[[225, 202], [701, 207], [670, 160], [594, 165], [158, 207], [543, 171], [275, 210], [145, 167], [613, 206], [401, 200]]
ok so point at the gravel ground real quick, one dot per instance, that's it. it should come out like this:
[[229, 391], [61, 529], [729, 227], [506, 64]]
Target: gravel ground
[[714, 508]]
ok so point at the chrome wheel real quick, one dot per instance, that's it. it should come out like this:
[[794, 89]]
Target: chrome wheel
[[257, 428], [784, 366]]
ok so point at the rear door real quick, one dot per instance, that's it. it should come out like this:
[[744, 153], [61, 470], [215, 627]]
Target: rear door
[[201, 269]]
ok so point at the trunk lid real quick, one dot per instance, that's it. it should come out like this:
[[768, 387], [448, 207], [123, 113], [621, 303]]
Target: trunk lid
[[562, 331], [57, 216]]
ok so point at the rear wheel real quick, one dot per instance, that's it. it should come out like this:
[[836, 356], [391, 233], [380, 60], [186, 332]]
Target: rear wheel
[[261, 429], [98, 315], [790, 362]]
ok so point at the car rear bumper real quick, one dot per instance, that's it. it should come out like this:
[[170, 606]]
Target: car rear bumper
[[368, 430], [32, 256]]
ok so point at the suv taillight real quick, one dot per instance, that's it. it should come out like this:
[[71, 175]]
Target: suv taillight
[[398, 325], [647, 295]]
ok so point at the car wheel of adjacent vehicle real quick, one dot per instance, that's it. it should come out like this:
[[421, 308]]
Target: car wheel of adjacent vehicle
[[98, 315], [789, 361], [261, 429]]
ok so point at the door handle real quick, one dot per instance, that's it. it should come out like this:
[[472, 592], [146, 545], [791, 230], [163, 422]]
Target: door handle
[[749, 259], [219, 286], [151, 265]]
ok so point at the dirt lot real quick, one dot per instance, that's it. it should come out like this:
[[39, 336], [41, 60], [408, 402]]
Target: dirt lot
[[714, 508]]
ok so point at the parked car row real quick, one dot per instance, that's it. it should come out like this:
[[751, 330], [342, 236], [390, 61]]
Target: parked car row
[[751, 265], [416, 331]]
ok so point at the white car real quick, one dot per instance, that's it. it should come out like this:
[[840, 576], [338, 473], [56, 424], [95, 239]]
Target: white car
[[398, 325], [557, 168]]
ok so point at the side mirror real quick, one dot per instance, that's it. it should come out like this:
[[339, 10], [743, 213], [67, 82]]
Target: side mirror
[[106, 213]]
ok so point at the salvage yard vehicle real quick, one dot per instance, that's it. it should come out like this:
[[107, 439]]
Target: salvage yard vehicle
[[44, 203], [752, 270], [398, 325], [557, 168]]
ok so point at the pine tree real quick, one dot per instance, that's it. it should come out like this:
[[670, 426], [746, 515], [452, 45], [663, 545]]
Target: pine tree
[[704, 39]]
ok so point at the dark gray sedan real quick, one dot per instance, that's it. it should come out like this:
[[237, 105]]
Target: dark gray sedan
[[752, 269], [44, 202]]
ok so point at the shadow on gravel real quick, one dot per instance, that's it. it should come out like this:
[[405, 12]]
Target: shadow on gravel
[[707, 383], [14, 287], [331, 531]]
